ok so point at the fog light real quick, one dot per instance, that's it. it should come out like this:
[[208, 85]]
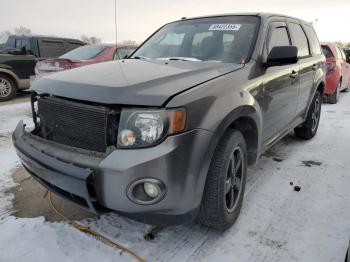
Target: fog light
[[146, 191], [152, 190]]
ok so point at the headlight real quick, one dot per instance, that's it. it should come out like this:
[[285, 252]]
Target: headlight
[[142, 128]]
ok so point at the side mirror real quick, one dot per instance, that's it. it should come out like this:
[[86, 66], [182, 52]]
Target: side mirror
[[282, 55]]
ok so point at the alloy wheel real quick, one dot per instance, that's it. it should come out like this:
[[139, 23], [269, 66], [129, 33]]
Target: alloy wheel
[[316, 113], [5, 87], [233, 182]]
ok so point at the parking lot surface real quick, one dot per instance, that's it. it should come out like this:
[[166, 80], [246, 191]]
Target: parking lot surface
[[277, 223]]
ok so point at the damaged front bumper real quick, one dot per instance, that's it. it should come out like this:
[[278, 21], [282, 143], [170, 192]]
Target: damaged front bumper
[[93, 180]]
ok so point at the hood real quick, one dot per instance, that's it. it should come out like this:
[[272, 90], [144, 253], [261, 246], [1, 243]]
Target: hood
[[131, 81]]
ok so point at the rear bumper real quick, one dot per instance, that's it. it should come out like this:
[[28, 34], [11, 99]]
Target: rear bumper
[[180, 162], [332, 81]]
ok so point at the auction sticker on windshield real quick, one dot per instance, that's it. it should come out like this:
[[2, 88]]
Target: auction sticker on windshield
[[231, 27]]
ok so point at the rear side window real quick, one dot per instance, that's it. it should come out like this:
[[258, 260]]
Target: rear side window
[[84, 52], [327, 52], [342, 53], [278, 36], [314, 43], [300, 40], [339, 54], [18, 43], [51, 48]]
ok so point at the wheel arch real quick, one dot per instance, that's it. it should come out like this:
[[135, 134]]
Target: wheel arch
[[246, 120]]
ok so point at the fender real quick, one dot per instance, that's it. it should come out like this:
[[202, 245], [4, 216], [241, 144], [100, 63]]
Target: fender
[[8, 72], [319, 80], [250, 112], [246, 111], [21, 83]]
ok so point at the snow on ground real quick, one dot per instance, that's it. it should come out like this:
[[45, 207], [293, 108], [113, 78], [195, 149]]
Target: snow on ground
[[276, 223], [10, 115]]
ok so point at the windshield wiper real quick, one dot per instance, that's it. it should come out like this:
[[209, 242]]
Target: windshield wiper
[[175, 58], [140, 57]]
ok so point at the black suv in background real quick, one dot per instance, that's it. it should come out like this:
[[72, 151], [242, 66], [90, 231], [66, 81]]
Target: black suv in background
[[18, 57], [166, 135]]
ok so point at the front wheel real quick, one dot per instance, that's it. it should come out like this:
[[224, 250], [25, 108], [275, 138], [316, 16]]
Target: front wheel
[[224, 188], [309, 128]]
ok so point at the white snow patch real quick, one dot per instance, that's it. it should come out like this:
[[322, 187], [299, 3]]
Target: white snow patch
[[11, 114]]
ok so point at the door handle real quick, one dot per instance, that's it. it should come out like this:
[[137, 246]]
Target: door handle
[[314, 67], [294, 74]]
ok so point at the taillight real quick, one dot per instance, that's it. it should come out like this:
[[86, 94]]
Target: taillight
[[75, 65], [62, 65], [330, 66]]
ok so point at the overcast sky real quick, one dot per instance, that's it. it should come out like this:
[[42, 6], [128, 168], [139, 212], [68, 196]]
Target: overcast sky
[[139, 18]]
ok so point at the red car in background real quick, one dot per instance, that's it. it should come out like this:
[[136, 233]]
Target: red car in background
[[85, 55], [338, 71]]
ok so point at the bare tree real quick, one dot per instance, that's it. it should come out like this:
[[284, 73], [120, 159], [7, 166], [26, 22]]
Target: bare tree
[[23, 31], [4, 36], [91, 40], [129, 42]]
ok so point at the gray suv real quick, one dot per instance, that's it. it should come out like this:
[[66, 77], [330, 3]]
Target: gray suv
[[166, 135]]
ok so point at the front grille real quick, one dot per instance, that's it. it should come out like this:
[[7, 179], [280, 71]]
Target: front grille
[[76, 124]]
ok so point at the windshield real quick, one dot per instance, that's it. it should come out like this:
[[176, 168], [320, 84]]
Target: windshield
[[219, 39], [327, 52], [84, 52]]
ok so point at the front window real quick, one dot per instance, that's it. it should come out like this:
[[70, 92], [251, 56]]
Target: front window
[[226, 39], [84, 52], [123, 52]]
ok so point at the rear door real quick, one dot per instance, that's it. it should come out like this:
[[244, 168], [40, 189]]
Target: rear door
[[307, 66], [278, 98]]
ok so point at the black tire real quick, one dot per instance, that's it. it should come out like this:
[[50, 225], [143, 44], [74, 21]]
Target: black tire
[[309, 128], [8, 88], [219, 209], [346, 90], [333, 98]]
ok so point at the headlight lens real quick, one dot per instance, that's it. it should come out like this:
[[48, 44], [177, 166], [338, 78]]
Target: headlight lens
[[142, 128]]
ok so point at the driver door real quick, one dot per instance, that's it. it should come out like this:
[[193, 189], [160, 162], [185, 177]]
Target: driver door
[[279, 94]]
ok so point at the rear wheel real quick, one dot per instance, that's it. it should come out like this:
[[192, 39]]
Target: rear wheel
[[224, 189], [309, 128], [346, 90], [333, 98], [8, 88]]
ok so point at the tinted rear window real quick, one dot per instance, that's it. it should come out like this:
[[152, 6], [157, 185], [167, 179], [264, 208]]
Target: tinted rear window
[[51, 48], [314, 43], [327, 52], [73, 45], [300, 40], [84, 52]]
